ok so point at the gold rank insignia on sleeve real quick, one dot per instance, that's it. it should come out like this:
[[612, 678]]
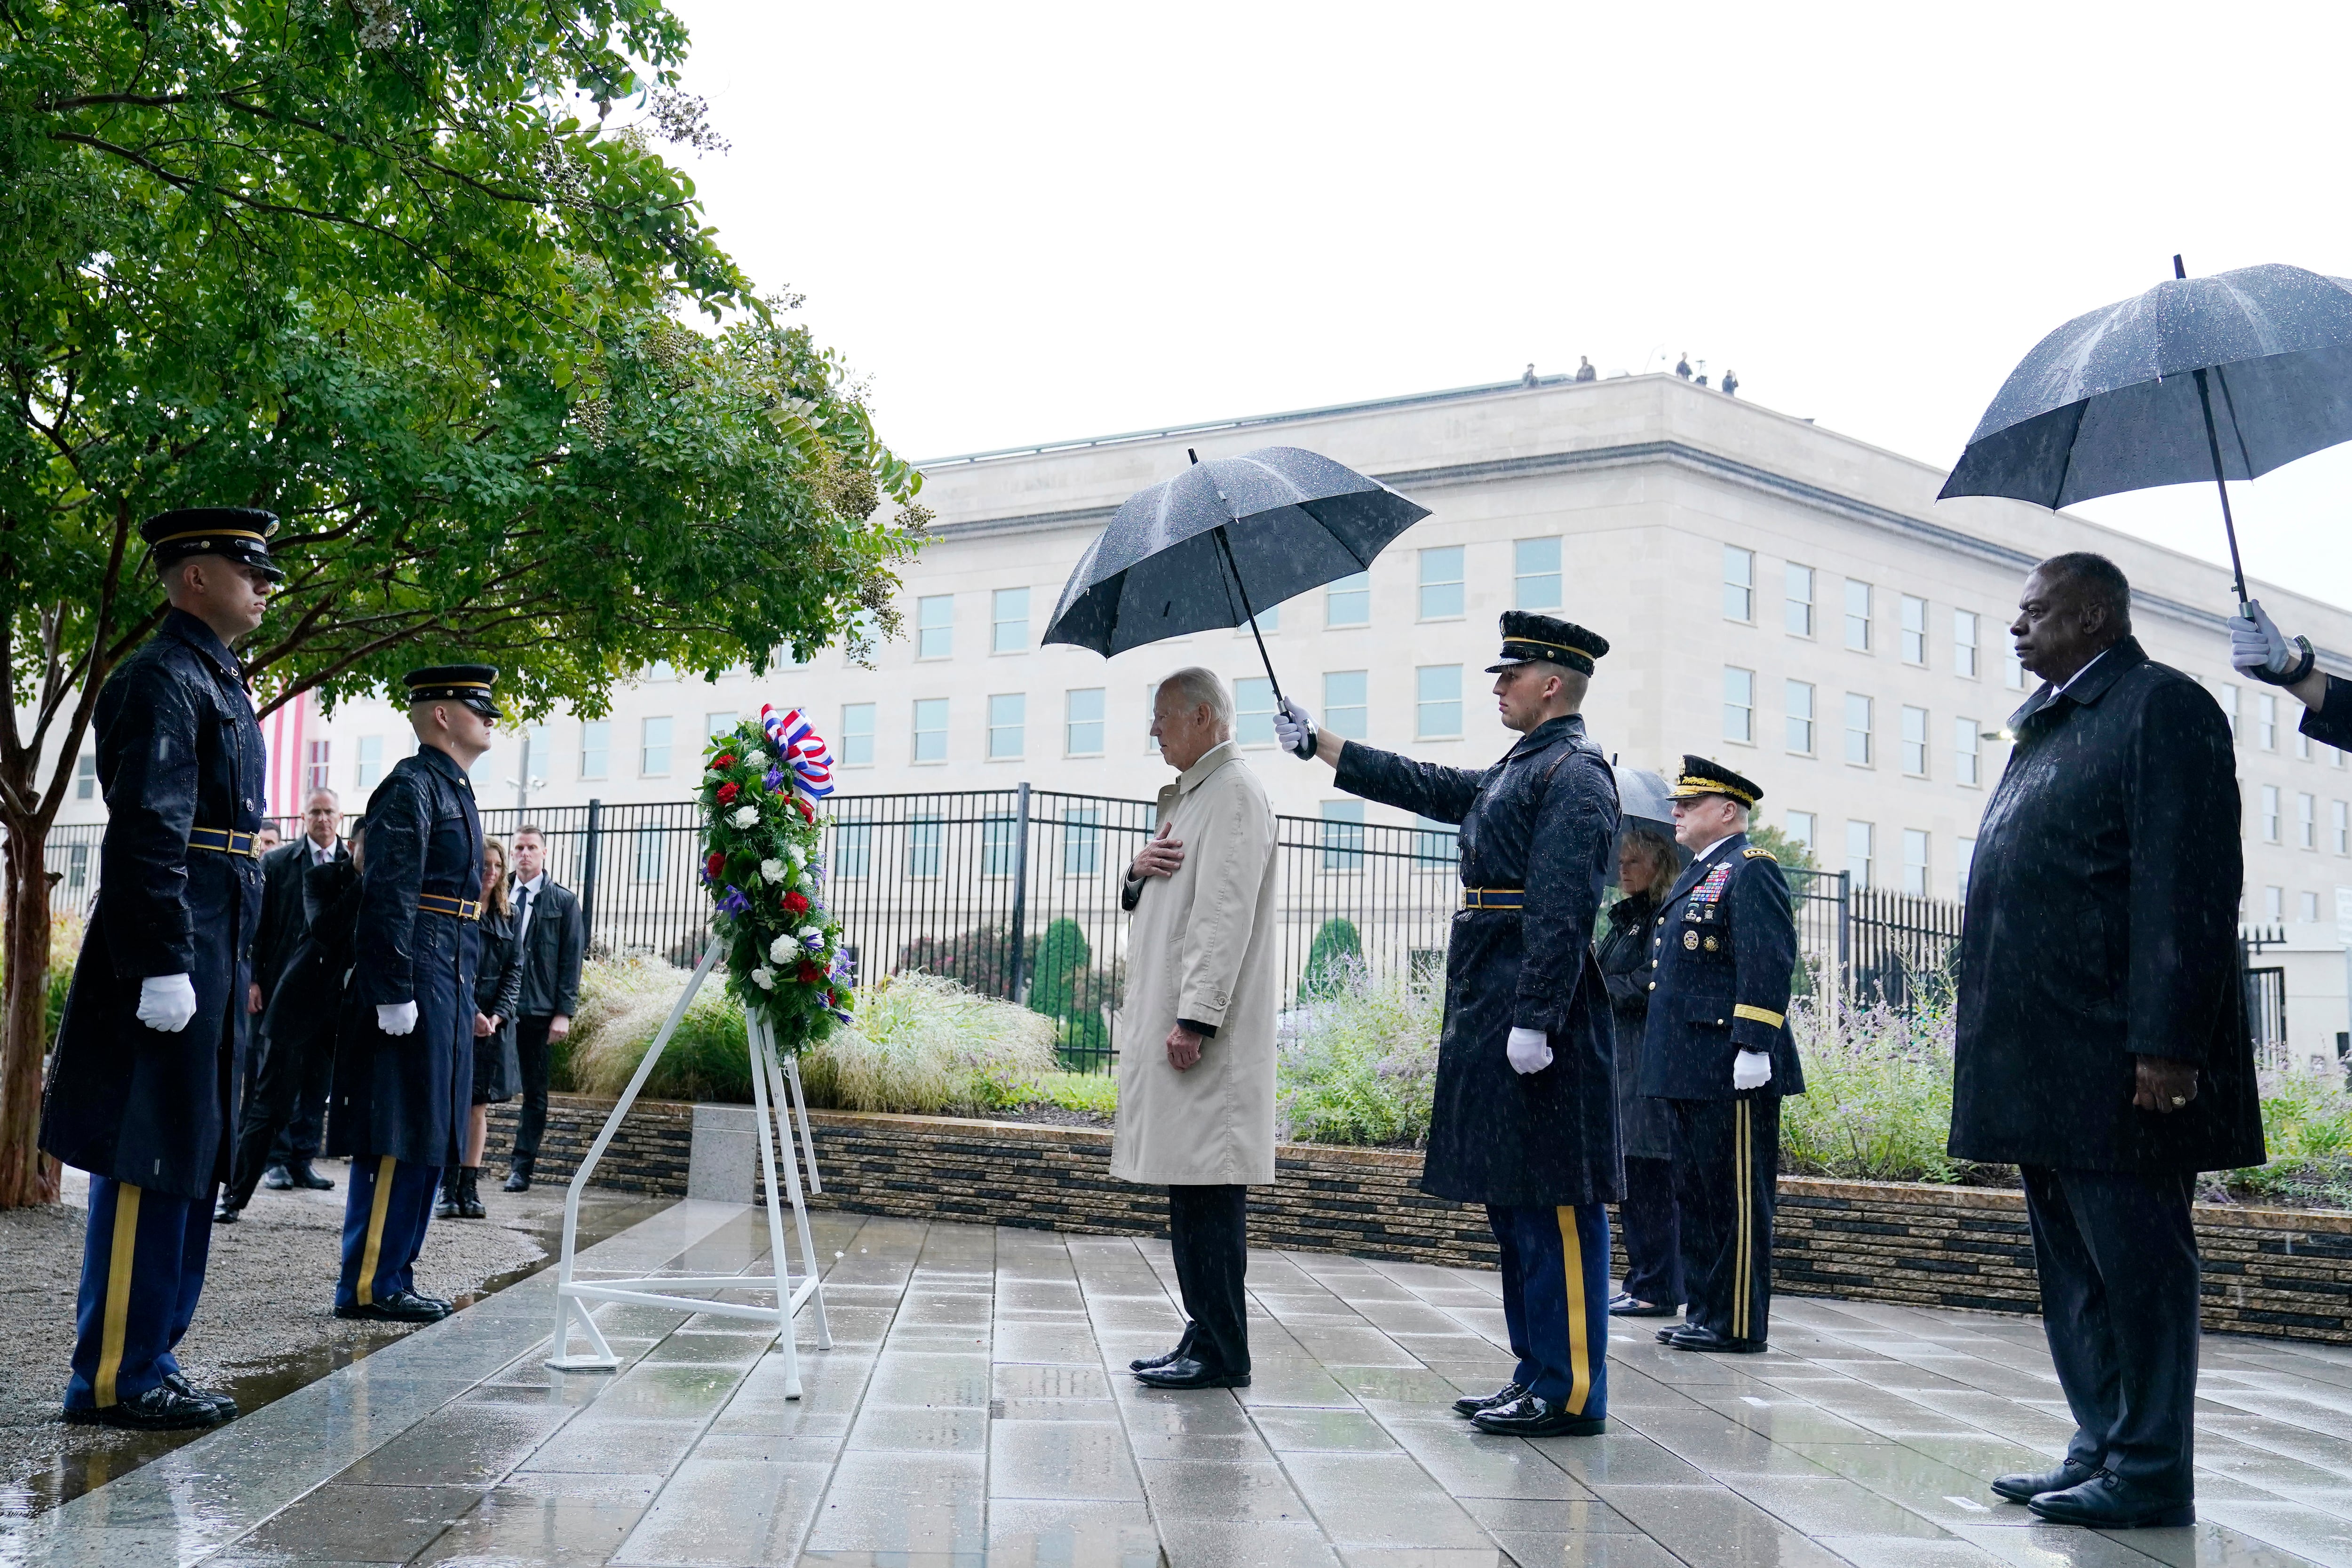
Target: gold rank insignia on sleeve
[[1756, 852]]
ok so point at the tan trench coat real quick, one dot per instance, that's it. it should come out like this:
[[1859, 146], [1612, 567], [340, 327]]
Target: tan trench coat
[[1204, 947]]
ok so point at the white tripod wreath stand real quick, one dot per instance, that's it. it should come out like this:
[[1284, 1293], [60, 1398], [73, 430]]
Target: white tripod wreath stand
[[775, 1113]]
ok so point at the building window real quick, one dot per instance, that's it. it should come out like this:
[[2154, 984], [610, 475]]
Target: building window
[[1967, 765], [2270, 814], [2227, 695], [1437, 701], [652, 855], [1797, 604], [1797, 697], [1740, 705], [1857, 729], [2311, 907], [2266, 721], [1915, 862], [1535, 573], [1800, 828], [1082, 841], [86, 776], [595, 751], [857, 734], [1150, 717], [927, 837], [367, 766], [1008, 716], [716, 724], [2302, 747], [661, 670], [1000, 846], [853, 850], [935, 626], [1441, 583], [2340, 821], [2013, 671], [1008, 621], [1253, 710], [931, 730], [1857, 616], [317, 772], [1914, 741], [652, 747], [1964, 855], [1913, 615], [1348, 601], [1082, 722], [1435, 842], [1964, 643], [1266, 622], [1738, 583], [1345, 703], [1858, 837], [1343, 836], [2274, 904], [2306, 822]]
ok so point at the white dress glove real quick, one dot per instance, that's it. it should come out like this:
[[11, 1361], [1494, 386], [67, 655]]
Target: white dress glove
[[1295, 729], [167, 1002], [1751, 1069], [2257, 647], [1529, 1051], [397, 1017]]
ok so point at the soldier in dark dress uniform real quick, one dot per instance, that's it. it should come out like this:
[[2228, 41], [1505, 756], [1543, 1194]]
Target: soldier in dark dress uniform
[[1717, 1046], [143, 1084], [1525, 1119], [2262, 652], [404, 1064]]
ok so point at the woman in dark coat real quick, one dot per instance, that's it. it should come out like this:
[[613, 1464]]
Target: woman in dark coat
[[497, 987], [1646, 863]]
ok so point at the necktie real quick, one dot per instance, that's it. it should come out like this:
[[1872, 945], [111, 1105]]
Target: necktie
[[522, 912]]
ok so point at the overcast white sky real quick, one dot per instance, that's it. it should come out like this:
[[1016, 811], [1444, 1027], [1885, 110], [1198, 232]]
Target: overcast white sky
[[1029, 221]]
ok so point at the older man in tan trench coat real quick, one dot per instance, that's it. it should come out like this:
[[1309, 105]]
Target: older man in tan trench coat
[[1196, 1069]]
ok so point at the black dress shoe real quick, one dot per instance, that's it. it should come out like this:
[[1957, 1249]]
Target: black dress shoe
[[1532, 1416], [226, 1212], [1469, 1405], [1626, 1305], [277, 1179], [303, 1176], [2105, 1502], [407, 1307], [178, 1383], [160, 1409], [1187, 1373], [2025, 1487], [519, 1180], [1667, 1335], [1183, 1348], [1702, 1339]]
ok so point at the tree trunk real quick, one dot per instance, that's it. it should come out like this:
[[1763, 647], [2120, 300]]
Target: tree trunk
[[26, 1175]]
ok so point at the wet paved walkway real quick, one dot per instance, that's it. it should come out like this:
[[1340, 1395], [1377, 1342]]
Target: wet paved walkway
[[974, 1411]]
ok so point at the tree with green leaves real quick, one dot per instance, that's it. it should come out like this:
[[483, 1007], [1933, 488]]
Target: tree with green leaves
[[1335, 947], [397, 273], [1064, 986]]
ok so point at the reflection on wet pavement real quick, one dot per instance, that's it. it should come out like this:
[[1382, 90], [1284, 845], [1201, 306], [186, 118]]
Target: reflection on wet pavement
[[975, 1410]]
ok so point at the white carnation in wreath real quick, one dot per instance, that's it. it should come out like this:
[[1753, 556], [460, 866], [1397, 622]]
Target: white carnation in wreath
[[784, 950], [764, 978], [745, 817], [774, 870]]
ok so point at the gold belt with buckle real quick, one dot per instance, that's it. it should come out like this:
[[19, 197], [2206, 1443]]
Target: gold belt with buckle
[[1493, 897], [448, 904], [222, 841]]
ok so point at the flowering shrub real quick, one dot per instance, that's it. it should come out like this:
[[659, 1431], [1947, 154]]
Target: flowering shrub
[[763, 864], [1360, 1062]]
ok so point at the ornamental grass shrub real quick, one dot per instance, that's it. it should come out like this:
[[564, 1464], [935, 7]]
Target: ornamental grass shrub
[[1877, 1105], [924, 1044], [622, 1005], [1360, 1062]]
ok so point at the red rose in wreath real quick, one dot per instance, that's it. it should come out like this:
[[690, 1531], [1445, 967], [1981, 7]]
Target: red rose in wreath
[[715, 866], [727, 792], [796, 903], [810, 972], [806, 814], [723, 760]]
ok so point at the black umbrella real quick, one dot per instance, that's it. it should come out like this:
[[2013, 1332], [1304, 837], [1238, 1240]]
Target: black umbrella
[[2223, 378], [1223, 538]]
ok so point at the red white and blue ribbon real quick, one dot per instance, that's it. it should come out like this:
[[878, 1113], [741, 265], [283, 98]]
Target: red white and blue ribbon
[[798, 743]]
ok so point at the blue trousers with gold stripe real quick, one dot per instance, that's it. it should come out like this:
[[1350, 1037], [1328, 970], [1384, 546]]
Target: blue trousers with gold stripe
[[1726, 1173], [143, 1268], [1556, 1300], [386, 1207]]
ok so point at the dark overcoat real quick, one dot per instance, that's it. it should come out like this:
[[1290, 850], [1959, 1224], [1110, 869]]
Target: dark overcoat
[[2330, 723], [1645, 1126], [178, 749], [552, 949], [304, 1005], [1543, 819], [497, 989], [2101, 925], [285, 910], [411, 1096], [1723, 957]]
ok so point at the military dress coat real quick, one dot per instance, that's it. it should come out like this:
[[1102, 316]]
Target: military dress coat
[[2330, 723], [2102, 924], [411, 1096], [1544, 820], [1645, 1126], [1723, 956]]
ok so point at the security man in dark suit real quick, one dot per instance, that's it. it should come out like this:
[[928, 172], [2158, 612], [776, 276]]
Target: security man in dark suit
[[143, 1084], [552, 939], [404, 1067], [1524, 1118], [1717, 1049]]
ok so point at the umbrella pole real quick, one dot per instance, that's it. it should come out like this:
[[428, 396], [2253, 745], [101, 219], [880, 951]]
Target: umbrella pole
[[2229, 526], [1226, 545]]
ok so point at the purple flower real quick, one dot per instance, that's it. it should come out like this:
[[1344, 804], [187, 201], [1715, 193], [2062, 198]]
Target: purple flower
[[733, 902], [775, 780]]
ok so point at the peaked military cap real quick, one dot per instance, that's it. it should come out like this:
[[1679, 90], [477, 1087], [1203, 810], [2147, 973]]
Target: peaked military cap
[[467, 683], [1527, 637], [1700, 777], [238, 534]]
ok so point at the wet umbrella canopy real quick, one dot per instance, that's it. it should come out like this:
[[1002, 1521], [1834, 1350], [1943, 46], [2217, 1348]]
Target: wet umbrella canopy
[[1223, 541], [1643, 800], [2218, 378]]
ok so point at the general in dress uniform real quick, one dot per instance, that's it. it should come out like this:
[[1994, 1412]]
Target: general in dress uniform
[[143, 1084], [1717, 1049], [1524, 1118], [403, 1079]]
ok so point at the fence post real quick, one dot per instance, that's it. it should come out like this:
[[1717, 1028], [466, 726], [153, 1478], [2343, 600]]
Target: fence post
[[1020, 890], [588, 867], [1845, 955]]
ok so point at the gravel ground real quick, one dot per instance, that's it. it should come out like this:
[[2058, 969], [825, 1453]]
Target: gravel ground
[[265, 1324]]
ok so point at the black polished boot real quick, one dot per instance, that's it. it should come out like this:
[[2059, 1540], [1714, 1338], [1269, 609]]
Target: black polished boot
[[178, 1383], [469, 1194], [447, 1208], [1532, 1416]]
